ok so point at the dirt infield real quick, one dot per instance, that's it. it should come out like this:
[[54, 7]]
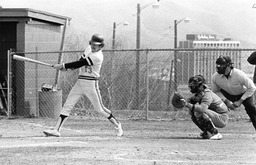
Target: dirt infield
[[93, 141]]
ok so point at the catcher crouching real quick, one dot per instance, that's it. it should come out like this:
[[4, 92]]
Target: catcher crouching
[[207, 110]]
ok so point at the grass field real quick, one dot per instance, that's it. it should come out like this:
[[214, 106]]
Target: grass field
[[93, 142]]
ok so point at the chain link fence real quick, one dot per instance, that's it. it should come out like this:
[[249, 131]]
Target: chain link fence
[[134, 84]]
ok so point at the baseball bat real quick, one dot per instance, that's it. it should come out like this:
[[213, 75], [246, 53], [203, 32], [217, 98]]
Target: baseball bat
[[21, 58]]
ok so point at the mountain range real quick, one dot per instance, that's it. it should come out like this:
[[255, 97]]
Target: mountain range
[[235, 19]]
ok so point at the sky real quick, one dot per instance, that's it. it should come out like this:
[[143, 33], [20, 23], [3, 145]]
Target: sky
[[226, 18]]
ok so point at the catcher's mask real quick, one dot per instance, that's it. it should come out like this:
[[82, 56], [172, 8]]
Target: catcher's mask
[[195, 82], [97, 39], [222, 63]]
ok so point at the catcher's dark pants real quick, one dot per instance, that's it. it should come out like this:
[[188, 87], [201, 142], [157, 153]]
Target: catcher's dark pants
[[248, 105]]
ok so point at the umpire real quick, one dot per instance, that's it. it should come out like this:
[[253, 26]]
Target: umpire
[[234, 86]]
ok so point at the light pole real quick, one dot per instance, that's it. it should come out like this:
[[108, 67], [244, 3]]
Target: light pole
[[155, 5], [175, 61], [114, 32], [112, 60]]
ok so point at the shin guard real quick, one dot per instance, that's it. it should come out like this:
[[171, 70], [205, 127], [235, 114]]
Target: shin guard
[[195, 120], [206, 122]]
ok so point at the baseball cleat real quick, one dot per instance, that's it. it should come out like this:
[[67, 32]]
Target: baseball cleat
[[217, 136], [119, 130], [52, 133], [205, 135]]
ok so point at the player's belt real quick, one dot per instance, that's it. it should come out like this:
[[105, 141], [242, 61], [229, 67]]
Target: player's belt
[[87, 77]]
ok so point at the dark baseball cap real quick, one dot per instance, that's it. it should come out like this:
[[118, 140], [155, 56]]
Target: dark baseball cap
[[223, 60], [252, 58], [97, 39], [197, 79]]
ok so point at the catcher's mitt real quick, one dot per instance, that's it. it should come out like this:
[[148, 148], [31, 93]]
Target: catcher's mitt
[[178, 101]]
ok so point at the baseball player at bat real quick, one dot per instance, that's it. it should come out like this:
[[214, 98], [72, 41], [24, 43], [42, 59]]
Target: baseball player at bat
[[207, 110], [89, 66]]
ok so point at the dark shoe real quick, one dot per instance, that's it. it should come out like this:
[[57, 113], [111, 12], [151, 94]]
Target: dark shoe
[[205, 135]]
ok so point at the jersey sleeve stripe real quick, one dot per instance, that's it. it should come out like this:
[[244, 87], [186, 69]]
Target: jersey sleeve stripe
[[89, 60]]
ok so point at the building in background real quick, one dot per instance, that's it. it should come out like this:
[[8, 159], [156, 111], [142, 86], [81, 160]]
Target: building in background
[[202, 61], [28, 30]]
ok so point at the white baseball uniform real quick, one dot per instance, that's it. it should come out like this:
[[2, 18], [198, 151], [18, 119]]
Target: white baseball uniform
[[87, 84]]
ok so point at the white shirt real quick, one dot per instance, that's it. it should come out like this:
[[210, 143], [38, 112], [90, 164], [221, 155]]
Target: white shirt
[[237, 83]]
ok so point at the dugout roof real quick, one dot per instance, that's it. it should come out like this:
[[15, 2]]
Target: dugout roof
[[26, 14]]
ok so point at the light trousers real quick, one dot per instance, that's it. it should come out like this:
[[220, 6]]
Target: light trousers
[[90, 89]]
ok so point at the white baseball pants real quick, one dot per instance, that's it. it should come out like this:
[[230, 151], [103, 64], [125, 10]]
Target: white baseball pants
[[90, 89]]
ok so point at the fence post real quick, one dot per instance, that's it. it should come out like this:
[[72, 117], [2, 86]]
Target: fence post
[[147, 85], [9, 82], [36, 85], [57, 77], [137, 81], [112, 66], [170, 85]]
